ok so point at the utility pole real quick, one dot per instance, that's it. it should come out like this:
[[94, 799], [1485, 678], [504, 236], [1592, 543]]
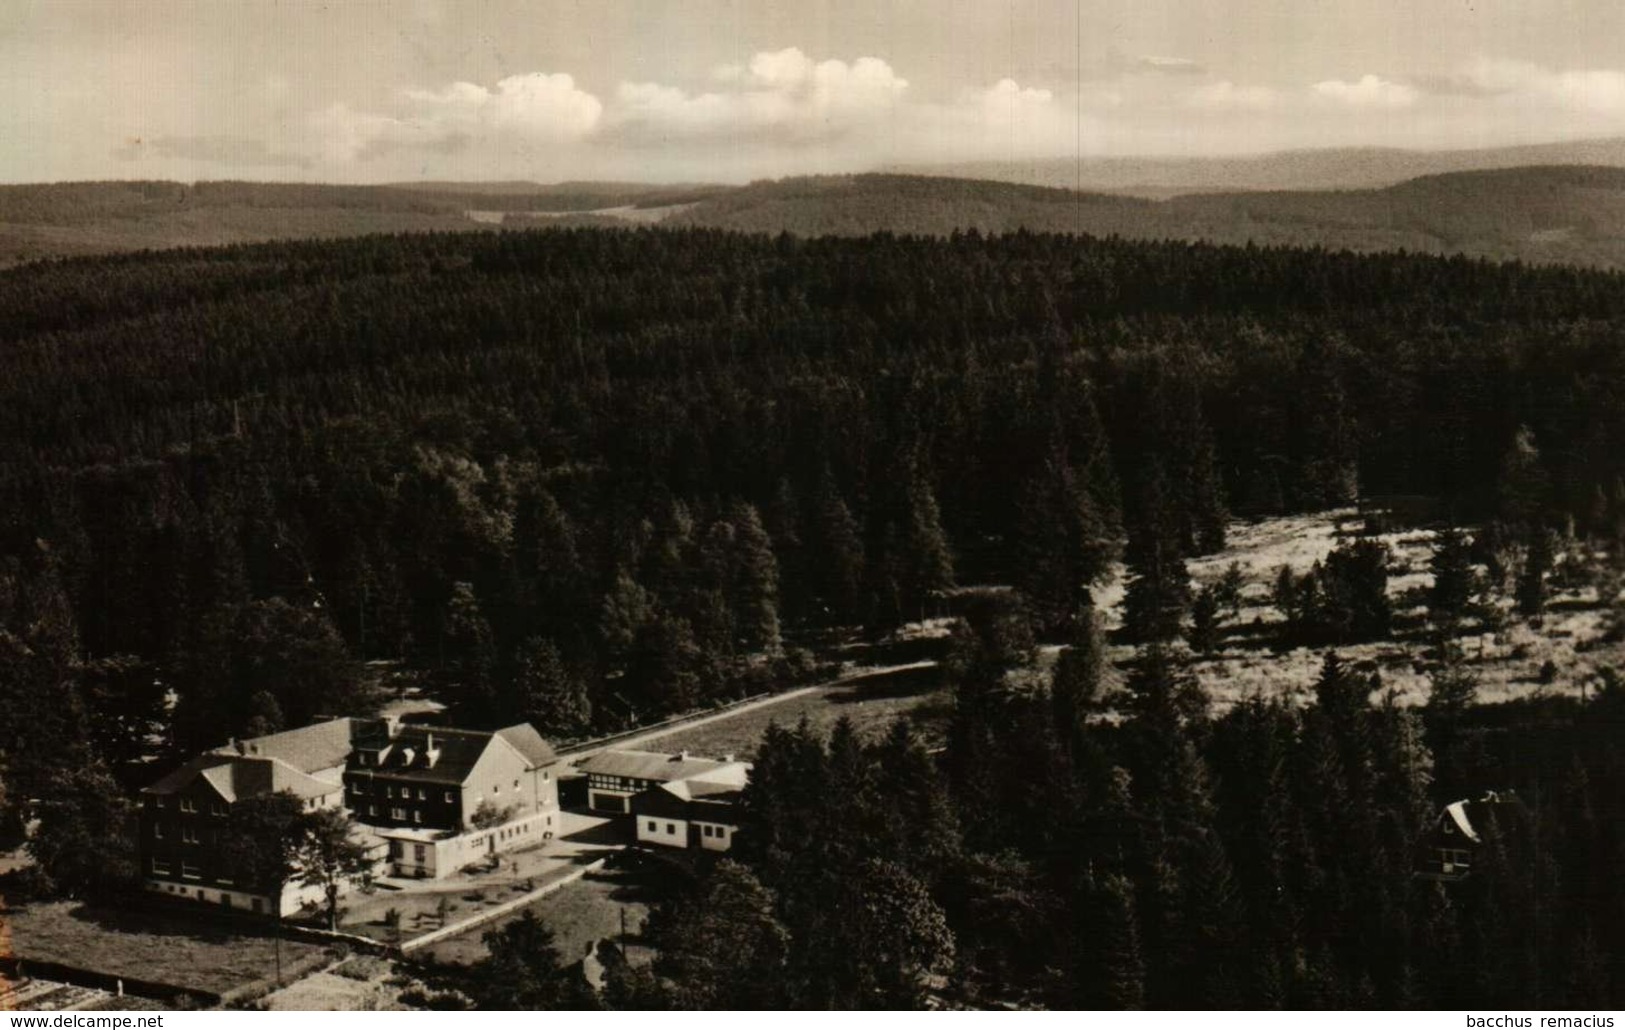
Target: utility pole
[[623, 933]]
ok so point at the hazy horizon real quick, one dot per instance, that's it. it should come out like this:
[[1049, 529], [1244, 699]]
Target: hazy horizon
[[724, 91]]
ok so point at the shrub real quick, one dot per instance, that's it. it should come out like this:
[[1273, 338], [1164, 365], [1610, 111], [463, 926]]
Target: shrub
[[363, 968]]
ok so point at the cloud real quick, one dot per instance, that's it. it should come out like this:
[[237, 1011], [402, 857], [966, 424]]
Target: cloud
[[1594, 90], [1225, 95], [525, 110], [780, 95], [1369, 92]]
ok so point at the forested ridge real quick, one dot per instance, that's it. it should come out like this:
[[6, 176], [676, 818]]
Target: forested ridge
[[589, 477], [1562, 214]]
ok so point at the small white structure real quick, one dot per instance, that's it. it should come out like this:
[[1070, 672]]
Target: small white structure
[[698, 812]]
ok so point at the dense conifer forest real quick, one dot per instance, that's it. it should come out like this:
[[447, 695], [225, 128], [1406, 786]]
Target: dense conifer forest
[[591, 477]]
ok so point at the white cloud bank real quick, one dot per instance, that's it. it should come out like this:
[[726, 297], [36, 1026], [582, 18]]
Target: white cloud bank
[[783, 111], [780, 95], [1368, 91]]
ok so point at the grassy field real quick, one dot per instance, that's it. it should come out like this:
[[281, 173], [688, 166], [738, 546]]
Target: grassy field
[[1570, 635], [873, 703], [580, 915], [194, 953]]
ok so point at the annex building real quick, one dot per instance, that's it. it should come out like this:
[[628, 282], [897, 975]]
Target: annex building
[[425, 800]]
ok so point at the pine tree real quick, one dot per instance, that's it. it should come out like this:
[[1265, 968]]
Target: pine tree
[[928, 562], [754, 596], [1537, 563], [1121, 965], [1077, 682], [1452, 588], [523, 970], [469, 650], [723, 947], [839, 544], [548, 692]]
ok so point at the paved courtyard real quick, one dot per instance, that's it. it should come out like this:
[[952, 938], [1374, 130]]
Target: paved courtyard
[[426, 905]]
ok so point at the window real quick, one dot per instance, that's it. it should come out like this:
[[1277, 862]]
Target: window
[[190, 870], [188, 805], [705, 831], [654, 827], [496, 788], [216, 808], [160, 867], [372, 810], [449, 797], [671, 828], [515, 784], [417, 852], [397, 813], [389, 791], [423, 795], [417, 816], [157, 831], [394, 849], [189, 834], [546, 775]]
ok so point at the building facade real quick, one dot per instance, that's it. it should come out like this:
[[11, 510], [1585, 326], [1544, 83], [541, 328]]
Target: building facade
[[427, 800], [676, 801]]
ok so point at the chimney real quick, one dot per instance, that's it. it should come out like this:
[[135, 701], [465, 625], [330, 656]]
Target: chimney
[[682, 756], [728, 757]]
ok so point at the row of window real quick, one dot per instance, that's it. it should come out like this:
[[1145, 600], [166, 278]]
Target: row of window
[[188, 805], [203, 895], [189, 870], [405, 793], [396, 850], [706, 830], [398, 814], [189, 833], [606, 782]]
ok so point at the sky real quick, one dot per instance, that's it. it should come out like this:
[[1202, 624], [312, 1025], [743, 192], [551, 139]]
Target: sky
[[734, 90]]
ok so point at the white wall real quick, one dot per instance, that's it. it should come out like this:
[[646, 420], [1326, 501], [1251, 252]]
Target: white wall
[[720, 839], [672, 833]]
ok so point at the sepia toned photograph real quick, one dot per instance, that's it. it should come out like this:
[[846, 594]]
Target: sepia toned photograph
[[992, 506]]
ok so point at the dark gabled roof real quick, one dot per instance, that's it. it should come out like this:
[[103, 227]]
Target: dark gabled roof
[[432, 754], [437, 754], [235, 777], [711, 802], [528, 742], [185, 776], [322, 745], [650, 765]]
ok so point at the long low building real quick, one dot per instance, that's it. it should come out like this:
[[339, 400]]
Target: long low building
[[426, 800], [676, 801]]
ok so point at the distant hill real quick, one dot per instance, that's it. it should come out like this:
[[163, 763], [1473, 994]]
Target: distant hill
[[1566, 213], [1336, 169], [1543, 215], [68, 219]]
